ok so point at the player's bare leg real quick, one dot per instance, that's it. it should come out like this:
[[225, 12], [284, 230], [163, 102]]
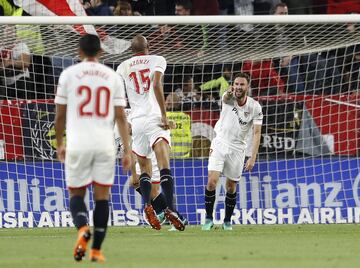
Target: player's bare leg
[[79, 214], [230, 202], [145, 187], [101, 216], [210, 196], [162, 152]]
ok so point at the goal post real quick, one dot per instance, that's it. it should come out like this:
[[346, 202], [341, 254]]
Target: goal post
[[305, 72]]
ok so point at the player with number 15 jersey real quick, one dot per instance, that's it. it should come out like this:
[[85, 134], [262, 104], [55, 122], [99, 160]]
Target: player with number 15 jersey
[[142, 75], [137, 73]]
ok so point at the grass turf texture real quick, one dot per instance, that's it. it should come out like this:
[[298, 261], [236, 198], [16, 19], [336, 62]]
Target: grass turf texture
[[246, 246]]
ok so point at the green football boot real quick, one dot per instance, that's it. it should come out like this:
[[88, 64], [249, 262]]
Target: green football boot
[[207, 225], [227, 226], [161, 217]]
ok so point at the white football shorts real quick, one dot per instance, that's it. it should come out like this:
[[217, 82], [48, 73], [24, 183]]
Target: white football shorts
[[226, 160], [146, 132], [83, 168], [155, 178]]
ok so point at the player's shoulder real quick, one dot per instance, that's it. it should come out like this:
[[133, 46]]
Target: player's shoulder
[[159, 58], [69, 70], [252, 102], [121, 66]]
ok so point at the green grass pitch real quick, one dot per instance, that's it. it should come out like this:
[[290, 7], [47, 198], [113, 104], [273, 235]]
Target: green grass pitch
[[246, 246]]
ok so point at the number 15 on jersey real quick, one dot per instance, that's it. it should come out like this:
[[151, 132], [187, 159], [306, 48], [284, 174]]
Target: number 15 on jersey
[[141, 81]]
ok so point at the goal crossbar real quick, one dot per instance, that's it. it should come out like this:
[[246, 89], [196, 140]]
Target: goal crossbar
[[192, 20]]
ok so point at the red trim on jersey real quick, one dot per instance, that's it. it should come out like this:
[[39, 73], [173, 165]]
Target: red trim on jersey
[[155, 182], [152, 146], [140, 54], [242, 104], [78, 188], [100, 184], [142, 156]]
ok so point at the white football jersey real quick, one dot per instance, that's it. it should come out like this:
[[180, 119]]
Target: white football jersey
[[137, 74], [90, 90], [236, 121]]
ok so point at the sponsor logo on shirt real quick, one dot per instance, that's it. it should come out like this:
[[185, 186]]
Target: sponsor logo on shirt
[[241, 122]]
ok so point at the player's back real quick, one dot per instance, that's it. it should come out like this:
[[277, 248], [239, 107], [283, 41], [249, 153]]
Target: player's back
[[138, 73], [92, 89]]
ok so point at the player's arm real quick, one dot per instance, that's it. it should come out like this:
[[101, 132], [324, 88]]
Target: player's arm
[[22, 63], [60, 119], [159, 94], [24, 60], [134, 180], [256, 142], [228, 96], [121, 121]]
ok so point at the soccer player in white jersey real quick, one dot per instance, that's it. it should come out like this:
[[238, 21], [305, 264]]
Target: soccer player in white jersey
[[157, 198], [88, 99], [239, 114], [142, 75]]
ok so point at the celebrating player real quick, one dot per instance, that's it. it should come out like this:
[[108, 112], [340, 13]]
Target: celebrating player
[[89, 96], [142, 75], [239, 114]]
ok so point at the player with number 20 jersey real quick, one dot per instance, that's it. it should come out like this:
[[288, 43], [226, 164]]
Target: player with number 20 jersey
[[90, 96], [90, 90]]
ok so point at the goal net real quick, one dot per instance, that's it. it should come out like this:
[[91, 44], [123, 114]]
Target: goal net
[[305, 72]]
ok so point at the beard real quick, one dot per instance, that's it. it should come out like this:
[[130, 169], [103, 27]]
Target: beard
[[241, 95]]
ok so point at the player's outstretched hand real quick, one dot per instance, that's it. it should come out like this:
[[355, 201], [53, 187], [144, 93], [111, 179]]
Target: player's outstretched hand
[[126, 161], [61, 151], [249, 164], [230, 90]]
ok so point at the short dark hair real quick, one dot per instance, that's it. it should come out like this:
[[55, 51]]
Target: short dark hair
[[90, 44], [243, 75], [184, 3], [274, 8]]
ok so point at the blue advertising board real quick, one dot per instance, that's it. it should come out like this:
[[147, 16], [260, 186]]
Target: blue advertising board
[[275, 192]]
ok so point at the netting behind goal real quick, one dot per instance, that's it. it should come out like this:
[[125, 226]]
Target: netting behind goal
[[306, 77]]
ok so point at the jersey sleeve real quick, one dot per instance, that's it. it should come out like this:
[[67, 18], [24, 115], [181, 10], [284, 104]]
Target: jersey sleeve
[[61, 91], [119, 96], [160, 65], [258, 115]]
